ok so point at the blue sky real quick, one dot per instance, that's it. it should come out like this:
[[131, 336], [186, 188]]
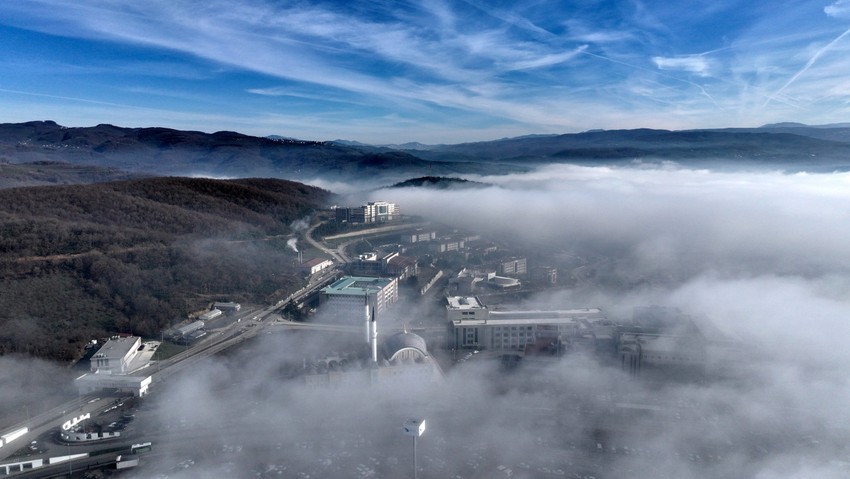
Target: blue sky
[[430, 71]]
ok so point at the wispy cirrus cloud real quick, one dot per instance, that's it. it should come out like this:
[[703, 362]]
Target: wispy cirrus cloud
[[528, 67]]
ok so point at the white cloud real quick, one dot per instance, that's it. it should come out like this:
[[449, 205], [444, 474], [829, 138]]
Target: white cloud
[[547, 60], [698, 64], [669, 220], [838, 9]]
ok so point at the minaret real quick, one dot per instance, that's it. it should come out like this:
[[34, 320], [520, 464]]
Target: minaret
[[374, 340], [368, 327]]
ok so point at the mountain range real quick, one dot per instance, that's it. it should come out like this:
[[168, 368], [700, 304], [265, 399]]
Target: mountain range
[[162, 151], [791, 147], [224, 154]]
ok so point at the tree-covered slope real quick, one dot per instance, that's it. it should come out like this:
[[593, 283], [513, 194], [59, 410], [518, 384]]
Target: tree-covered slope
[[77, 262]]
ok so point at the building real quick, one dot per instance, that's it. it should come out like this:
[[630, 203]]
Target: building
[[418, 236], [367, 264], [474, 326], [446, 245], [467, 282], [402, 358], [402, 267], [513, 266], [135, 384], [347, 296], [315, 265], [373, 212], [229, 306], [117, 365], [545, 274], [190, 328], [663, 355], [210, 315], [465, 308], [663, 342], [390, 265], [380, 212], [117, 356]]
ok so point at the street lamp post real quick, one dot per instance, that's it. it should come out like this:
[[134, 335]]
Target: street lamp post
[[414, 427]]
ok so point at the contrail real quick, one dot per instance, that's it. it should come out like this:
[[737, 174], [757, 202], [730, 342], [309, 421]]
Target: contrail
[[807, 66]]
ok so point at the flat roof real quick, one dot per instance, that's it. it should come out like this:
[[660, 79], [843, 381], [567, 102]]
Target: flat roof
[[514, 321], [115, 380], [586, 313], [314, 262], [464, 302], [356, 285], [117, 347]]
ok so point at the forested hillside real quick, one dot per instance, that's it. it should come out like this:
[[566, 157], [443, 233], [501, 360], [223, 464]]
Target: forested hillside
[[163, 151], [40, 173], [78, 262]]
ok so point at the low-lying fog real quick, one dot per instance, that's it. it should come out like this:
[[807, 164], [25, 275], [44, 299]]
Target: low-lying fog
[[763, 255]]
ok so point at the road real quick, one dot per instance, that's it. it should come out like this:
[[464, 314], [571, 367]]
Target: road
[[338, 256], [338, 253], [219, 340], [229, 336]]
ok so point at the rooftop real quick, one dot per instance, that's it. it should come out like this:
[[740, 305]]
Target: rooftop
[[401, 341], [356, 285], [117, 347], [464, 302], [313, 262], [582, 313]]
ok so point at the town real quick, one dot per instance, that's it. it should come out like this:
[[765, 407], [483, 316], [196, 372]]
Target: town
[[422, 300]]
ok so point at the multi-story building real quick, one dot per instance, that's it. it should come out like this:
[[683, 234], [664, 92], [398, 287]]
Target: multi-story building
[[389, 265], [666, 355], [513, 266], [116, 355], [445, 245], [474, 326], [380, 212], [119, 365], [345, 298], [418, 236], [367, 264], [664, 342], [545, 274], [372, 212]]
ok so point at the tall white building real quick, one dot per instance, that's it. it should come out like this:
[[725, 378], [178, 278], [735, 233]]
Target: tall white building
[[379, 212], [372, 212]]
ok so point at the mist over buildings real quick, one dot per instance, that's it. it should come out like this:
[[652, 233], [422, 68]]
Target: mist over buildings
[[761, 256]]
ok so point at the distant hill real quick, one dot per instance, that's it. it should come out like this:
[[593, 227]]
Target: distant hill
[[791, 124], [438, 183], [163, 151], [54, 173], [78, 262], [789, 147]]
